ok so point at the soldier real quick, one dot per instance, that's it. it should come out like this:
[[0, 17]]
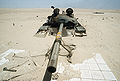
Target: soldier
[[50, 21], [69, 12], [56, 12], [78, 26], [51, 18]]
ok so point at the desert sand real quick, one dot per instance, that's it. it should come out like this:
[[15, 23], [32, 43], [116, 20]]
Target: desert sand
[[26, 53]]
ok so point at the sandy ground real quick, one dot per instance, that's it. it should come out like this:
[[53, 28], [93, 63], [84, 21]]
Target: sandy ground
[[17, 29]]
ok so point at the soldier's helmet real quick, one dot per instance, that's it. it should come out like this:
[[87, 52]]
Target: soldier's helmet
[[69, 11], [56, 11]]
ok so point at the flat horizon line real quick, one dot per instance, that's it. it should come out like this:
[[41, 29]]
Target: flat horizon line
[[62, 8]]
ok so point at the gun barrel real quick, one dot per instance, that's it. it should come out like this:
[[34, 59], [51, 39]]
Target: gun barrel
[[52, 64], [54, 57]]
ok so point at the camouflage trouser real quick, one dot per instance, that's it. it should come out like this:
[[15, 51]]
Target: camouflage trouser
[[43, 28], [80, 29]]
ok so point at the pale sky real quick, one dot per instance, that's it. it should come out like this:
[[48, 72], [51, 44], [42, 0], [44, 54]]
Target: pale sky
[[98, 4]]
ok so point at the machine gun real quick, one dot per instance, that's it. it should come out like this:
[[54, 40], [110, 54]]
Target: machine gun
[[60, 22], [54, 53]]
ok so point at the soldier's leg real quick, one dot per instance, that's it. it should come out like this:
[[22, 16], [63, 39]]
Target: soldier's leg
[[80, 29], [43, 28]]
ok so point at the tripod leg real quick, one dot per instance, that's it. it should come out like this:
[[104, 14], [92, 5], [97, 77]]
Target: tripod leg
[[67, 48], [48, 53]]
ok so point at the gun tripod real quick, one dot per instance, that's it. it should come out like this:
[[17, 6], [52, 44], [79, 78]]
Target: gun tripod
[[68, 48]]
